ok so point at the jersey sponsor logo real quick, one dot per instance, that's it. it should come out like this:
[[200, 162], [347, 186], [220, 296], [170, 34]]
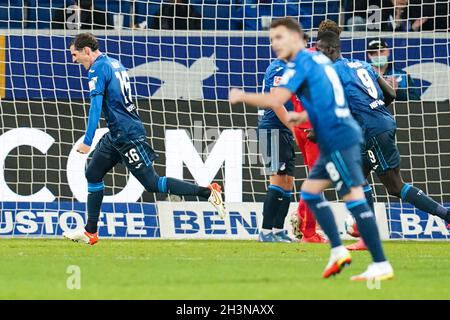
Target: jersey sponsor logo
[[278, 69], [354, 64], [174, 83], [115, 64], [131, 107], [139, 165], [92, 83], [376, 103], [276, 81], [288, 74], [91, 70]]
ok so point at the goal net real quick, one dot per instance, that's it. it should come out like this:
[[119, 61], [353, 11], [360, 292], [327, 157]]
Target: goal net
[[180, 81]]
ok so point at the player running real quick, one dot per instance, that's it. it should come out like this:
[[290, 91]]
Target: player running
[[364, 90], [312, 77], [126, 141]]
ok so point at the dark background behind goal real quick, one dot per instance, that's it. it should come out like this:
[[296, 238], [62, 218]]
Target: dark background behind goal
[[423, 138]]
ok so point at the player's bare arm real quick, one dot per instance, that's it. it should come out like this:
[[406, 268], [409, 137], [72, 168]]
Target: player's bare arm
[[296, 118], [388, 91], [83, 148], [283, 115], [276, 98]]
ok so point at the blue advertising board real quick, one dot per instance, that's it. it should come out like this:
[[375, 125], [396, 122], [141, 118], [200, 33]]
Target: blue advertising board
[[406, 222], [40, 67], [165, 220], [39, 219]]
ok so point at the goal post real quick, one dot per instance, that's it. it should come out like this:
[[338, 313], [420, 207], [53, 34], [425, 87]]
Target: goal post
[[180, 81]]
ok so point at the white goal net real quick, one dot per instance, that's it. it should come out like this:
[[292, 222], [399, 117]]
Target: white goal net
[[180, 81]]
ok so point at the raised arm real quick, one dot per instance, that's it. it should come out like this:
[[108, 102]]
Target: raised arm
[[388, 92]]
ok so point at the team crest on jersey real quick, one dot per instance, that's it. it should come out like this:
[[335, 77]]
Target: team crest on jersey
[[92, 83], [276, 81]]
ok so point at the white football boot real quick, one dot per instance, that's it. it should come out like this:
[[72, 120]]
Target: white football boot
[[81, 235], [339, 258], [216, 199], [376, 271]]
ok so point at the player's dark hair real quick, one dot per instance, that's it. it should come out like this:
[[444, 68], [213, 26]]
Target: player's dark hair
[[329, 25], [289, 23], [306, 37], [85, 40], [85, 4], [331, 39]]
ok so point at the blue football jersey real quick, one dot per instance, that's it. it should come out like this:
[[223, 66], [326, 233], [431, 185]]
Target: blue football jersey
[[312, 77], [272, 78], [108, 77], [364, 96]]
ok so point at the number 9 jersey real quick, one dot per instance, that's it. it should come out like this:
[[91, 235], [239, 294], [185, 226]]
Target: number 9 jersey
[[364, 96], [312, 77], [108, 77]]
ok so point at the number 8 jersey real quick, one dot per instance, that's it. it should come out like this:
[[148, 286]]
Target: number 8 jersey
[[108, 77], [312, 77], [364, 96]]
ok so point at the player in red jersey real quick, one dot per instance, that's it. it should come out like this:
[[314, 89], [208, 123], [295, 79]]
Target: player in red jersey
[[306, 223]]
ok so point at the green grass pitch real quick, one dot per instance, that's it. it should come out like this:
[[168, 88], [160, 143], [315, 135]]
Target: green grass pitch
[[161, 269]]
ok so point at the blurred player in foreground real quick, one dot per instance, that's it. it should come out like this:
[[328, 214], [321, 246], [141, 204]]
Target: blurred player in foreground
[[126, 141], [368, 96], [305, 139], [312, 77], [277, 137]]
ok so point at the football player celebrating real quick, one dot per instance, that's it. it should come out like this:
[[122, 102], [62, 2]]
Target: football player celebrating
[[126, 141], [312, 77]]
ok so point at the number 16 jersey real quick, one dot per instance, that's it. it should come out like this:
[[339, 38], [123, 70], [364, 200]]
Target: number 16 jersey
[[108, 77]]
